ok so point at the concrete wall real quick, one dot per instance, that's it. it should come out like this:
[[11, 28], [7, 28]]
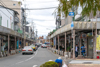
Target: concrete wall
[[62, 22], [7, 16], [13, 4]]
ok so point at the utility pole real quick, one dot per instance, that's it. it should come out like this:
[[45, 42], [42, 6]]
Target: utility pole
[[24, 24], [36, 35]]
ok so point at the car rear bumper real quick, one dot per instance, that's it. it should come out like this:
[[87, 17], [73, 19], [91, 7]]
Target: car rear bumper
[[27, 52]]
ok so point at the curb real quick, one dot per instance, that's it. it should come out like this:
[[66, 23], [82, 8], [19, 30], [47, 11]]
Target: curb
[[88, 59], [84, 64]]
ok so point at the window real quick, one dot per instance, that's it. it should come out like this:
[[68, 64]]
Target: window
[[12, 25], [0, 21], [14, 4], [7, 23]]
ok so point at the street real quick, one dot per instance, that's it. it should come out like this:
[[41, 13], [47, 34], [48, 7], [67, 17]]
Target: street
[[39, 57]]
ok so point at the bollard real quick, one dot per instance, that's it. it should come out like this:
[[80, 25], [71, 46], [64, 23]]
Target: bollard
[[50, 60], [66, 56], [61, 53], [69, 55]]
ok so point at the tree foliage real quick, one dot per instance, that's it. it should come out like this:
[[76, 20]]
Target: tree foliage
[[50, 64], [88, 6]]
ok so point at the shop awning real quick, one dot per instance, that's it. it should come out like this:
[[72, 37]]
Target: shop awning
[[78, 25]]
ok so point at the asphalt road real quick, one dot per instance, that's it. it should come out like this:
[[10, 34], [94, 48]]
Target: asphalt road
[[39, 57]]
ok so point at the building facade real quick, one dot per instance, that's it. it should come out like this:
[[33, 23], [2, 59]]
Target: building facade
[[13, 5], [8, 17], [84, 32]]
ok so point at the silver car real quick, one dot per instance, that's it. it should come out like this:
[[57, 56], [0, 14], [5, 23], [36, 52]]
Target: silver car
[[27, 49], [44, 46]]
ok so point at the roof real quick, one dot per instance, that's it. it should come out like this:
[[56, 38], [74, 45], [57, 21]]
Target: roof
[[9, 9]]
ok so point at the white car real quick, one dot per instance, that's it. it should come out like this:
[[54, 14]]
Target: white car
[[44, 46], [27, 49]]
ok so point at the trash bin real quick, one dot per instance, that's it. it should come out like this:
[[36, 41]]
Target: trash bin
[[97, 57]]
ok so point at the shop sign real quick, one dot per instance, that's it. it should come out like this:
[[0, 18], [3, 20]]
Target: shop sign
[[89, 34], [54, 40], [98, 43], [71, 13]]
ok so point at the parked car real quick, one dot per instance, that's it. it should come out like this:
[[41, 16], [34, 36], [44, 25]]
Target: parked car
[[27, 49], [44, 46], [34, 47], [37, 44]]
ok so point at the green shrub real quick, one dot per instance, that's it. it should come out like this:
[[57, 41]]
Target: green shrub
[[50, 64]]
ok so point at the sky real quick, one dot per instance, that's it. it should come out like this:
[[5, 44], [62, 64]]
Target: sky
[[43, 20]]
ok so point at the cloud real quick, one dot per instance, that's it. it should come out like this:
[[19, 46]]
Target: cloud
[[43, 20]]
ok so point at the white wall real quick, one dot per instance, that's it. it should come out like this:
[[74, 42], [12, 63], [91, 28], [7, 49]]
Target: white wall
[[7, 16]]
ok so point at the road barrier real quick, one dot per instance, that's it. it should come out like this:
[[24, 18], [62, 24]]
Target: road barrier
[[17, 50], [69, 54], [13, 52]]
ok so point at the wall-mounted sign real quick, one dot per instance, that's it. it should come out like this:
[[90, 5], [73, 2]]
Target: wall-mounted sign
[[71, 13], [98, 43]]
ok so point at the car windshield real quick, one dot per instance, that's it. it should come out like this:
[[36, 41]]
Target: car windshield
[[32, 45], [27, 47]]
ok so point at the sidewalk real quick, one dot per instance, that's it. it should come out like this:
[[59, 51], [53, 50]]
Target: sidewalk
[[80, 62], [84, 63]]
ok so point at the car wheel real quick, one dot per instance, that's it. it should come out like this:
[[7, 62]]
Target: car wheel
[[31, 53], [22, 53]]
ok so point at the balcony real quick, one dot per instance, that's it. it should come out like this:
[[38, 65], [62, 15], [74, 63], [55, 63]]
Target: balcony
[[16, 20]]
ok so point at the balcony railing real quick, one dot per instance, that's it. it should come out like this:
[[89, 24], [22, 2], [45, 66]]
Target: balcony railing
[[16, 20]]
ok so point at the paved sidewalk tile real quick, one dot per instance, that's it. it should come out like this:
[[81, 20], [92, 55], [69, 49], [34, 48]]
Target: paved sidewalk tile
[[84, 65]]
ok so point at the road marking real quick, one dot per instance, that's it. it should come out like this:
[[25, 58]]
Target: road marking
[[34, 65], [25, 60], [32, 56], [20, 62]]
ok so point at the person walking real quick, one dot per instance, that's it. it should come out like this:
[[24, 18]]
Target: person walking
[[59, 61], [76, 50], [83, 50]]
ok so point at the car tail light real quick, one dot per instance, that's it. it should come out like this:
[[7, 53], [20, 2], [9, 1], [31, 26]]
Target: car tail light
[[30, 50], [23, 50]]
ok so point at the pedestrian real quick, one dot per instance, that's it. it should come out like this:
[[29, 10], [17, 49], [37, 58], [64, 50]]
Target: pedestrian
[[76, 50], [59, 61], [60, 47], [83, 50]]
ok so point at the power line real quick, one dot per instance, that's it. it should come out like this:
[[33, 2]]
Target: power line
[[5, 14], [43, 2], [6, 6], [7, 9], [39, 19], [35, 8], [44, 26]]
